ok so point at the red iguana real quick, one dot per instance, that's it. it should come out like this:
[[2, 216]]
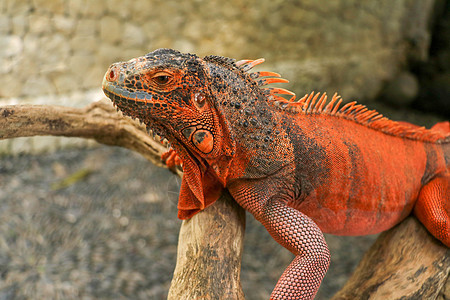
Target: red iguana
[[300, 167]]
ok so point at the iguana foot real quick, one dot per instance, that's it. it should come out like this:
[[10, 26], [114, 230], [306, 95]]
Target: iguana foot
[[171, 159]]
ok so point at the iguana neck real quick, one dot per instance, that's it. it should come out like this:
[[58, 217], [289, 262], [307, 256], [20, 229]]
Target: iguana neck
[[251, 121]]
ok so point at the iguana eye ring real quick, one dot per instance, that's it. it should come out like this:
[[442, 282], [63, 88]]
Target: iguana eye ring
[[162, 78]]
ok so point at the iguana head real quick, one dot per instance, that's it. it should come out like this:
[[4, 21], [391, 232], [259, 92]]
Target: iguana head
[[194, 104]]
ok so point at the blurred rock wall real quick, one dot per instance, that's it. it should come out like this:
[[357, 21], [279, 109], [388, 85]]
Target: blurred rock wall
[[56, 51]]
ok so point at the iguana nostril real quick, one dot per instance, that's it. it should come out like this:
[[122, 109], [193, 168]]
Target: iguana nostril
[[112, 74]]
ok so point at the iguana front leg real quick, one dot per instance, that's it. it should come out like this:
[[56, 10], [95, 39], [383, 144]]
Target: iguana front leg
[[299, 234]]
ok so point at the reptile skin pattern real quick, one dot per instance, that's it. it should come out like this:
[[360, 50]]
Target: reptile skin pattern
[[301, 167]]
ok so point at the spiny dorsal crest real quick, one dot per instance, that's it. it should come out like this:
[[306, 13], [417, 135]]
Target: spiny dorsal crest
[[243, 66], [223, 61], [312, 104], [246, 65]]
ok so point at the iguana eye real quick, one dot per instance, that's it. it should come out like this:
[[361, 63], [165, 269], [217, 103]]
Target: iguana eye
[[199, 99], [162, 78]]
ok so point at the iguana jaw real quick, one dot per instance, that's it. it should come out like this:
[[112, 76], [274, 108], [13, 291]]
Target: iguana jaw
[[132, 104]]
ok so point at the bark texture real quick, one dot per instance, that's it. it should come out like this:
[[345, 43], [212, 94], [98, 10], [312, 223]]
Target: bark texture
[[98, 121], [405, 262], [209, 254]]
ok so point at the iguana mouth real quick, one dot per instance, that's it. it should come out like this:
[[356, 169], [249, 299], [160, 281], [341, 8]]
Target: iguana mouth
[[130, 102], [120, 96]]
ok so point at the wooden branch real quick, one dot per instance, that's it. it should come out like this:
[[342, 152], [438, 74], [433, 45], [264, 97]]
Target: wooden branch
[[210, 254], [405, 262], [98, 121], [210, 244]]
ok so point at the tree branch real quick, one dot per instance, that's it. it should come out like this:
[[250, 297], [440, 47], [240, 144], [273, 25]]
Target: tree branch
[[97, 121], [405, 262], [210, 253]]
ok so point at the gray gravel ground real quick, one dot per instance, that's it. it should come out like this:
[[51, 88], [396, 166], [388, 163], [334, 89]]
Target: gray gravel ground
[[101, 224]]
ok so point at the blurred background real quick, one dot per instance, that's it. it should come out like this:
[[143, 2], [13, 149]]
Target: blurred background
[[84, 221]]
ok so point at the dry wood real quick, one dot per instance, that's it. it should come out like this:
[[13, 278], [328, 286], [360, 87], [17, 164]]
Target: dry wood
[[404, 262], [98, 121], [209, 258]]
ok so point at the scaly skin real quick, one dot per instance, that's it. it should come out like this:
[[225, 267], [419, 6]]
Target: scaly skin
[[300, 167]]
